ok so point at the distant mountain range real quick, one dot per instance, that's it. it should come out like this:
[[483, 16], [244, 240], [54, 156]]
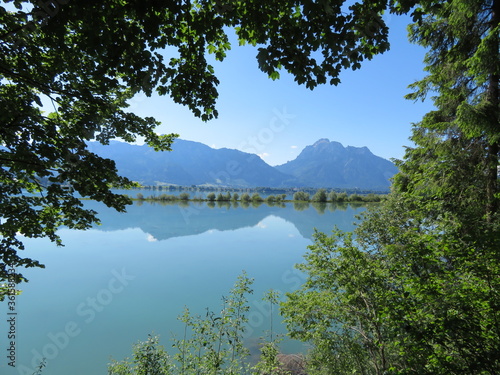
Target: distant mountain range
[[324, 164], [329, 164]]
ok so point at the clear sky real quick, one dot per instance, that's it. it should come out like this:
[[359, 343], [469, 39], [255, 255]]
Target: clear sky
[[277, 119]]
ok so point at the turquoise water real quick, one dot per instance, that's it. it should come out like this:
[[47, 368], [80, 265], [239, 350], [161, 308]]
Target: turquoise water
[[111, 286]]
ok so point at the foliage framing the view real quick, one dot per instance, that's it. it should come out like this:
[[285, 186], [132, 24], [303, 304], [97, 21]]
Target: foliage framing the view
[[422, 295], [82, 61], [417, 292]]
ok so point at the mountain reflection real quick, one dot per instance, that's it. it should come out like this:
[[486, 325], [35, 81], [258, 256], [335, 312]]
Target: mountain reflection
[[164, 220]]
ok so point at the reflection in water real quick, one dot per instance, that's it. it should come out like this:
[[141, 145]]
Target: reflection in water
[[320, 207], [224, 204], [163, 219], [342, 206], [300, 206], [183, 204], [168, 255]]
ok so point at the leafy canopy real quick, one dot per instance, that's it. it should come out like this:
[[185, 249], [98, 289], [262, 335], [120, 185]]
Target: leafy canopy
[[69, 68], [416, 292]]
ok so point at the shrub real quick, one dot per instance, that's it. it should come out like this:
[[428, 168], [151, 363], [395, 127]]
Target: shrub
[[342, 197], [256, 197], [371, 198], [270, 199], [213, 344], [301, 196], [320, 196], [355, 198]]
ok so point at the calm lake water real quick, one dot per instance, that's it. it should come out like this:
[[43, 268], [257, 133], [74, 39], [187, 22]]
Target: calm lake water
[[133, 275]]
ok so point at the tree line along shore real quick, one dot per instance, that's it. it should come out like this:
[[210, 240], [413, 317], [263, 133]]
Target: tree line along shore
[[321, 195]]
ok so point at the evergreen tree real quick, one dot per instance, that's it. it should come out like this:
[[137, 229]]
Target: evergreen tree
[[417, 293]]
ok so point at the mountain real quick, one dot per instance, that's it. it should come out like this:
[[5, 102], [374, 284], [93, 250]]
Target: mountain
[[192, 163], [329, 164], [324, 164]]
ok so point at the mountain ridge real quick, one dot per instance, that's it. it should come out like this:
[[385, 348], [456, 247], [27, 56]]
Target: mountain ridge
[[325, 164]]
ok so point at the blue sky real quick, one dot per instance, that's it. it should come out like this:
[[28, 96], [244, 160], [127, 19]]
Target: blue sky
[[277, 119]]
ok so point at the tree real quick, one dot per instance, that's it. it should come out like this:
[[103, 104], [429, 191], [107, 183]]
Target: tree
[[83, 61], [408, 296], [355, 198], [342, 197], [256, 198], [464, 68], [301, 196], [340, 308], [332, 196], [431, 250], [271, 199], [320, 196], [449, 185]]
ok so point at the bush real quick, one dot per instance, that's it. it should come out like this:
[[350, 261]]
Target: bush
[[355, 198], [371, 198], [256, 197], [320, 196], [301, 196], [224, 197], [342, 197], [332, 196], [270, 199], [212, 345], [211, 197], [167, 197], [149, 357]]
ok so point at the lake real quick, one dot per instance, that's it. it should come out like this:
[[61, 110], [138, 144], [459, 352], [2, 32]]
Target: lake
[[114, 284]]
